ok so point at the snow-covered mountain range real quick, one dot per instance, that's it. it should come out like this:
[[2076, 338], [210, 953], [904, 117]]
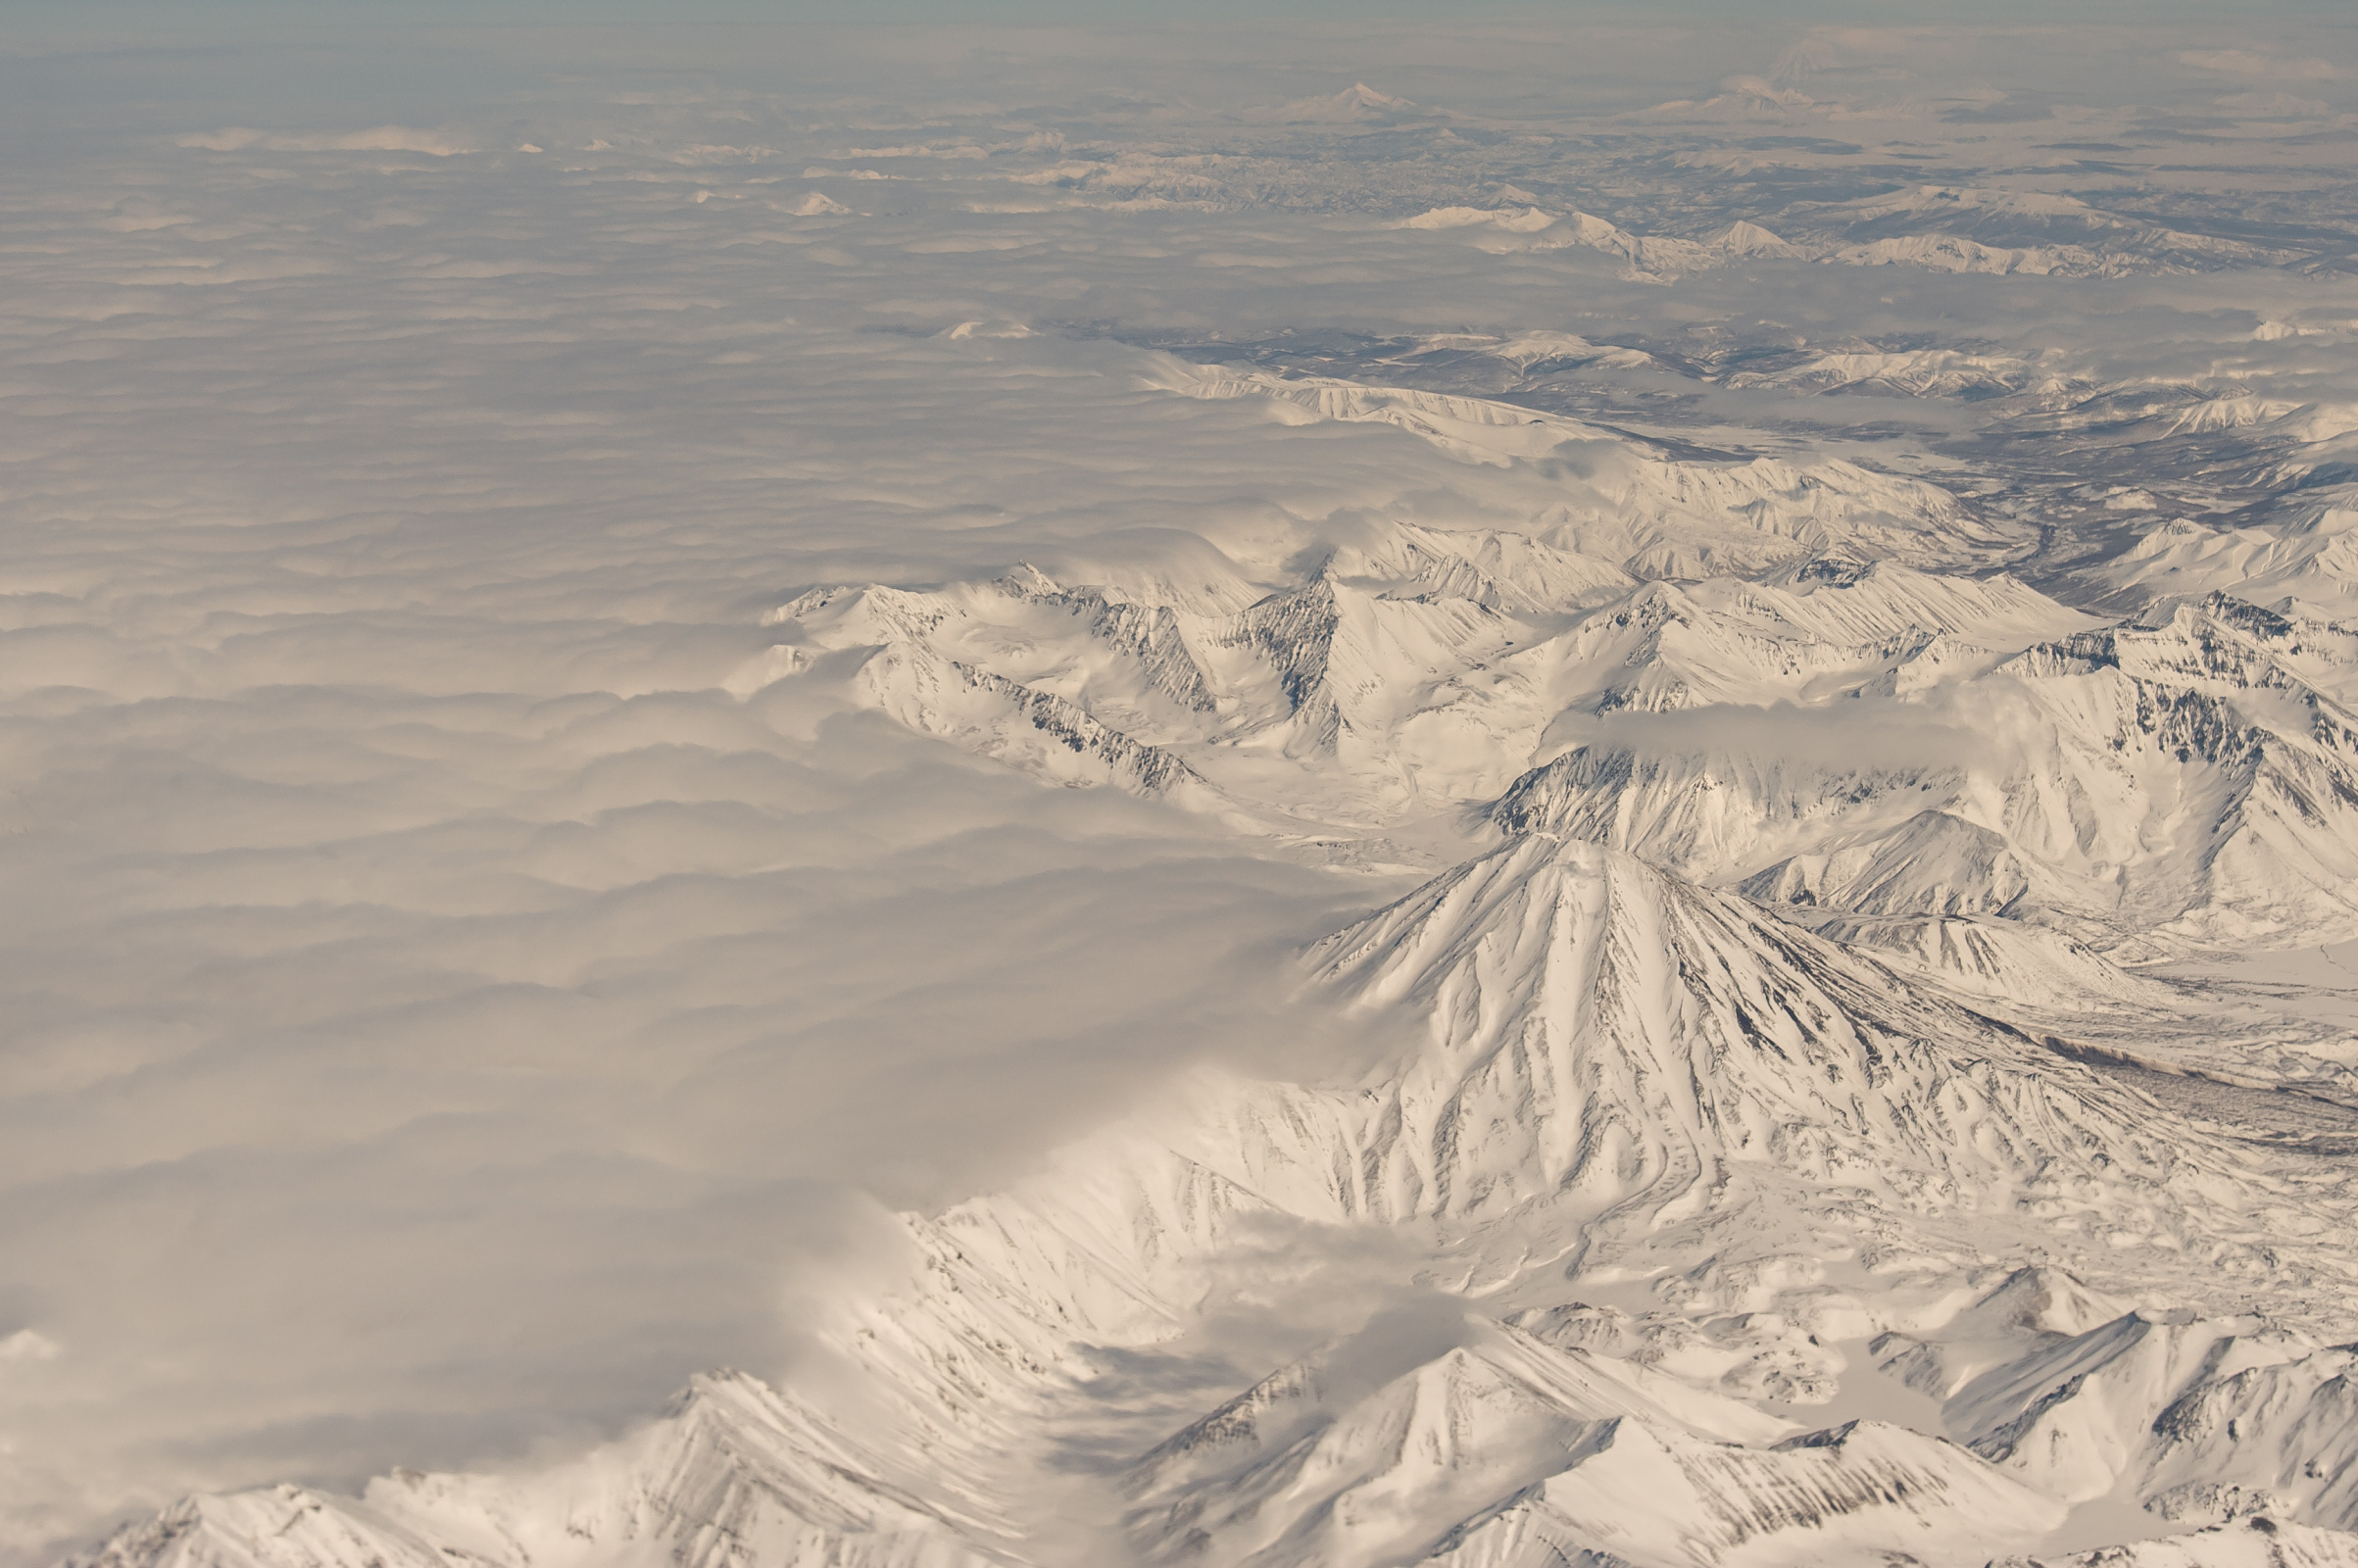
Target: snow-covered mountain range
[[1806, 1143], [1943, 227]]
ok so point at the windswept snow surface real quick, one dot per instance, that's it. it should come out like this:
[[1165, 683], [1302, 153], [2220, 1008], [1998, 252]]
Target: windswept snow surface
[[1283, 797]]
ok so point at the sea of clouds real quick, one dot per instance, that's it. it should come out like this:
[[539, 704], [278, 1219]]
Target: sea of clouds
[[448, 997]]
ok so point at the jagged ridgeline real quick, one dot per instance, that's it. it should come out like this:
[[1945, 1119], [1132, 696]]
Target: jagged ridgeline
[[1766, 677], [1798, 1154]]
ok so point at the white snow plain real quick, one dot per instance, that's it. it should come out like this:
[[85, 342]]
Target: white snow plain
[[1700, 907]]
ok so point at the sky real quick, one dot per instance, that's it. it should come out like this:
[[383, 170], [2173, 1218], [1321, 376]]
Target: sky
[[449, 998], [112, 13]]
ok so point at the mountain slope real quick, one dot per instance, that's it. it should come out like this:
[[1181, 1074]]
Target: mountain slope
[[1652, 515], [1500, 1443], [736, 1475], [2174, 781], [1602, 1027]]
